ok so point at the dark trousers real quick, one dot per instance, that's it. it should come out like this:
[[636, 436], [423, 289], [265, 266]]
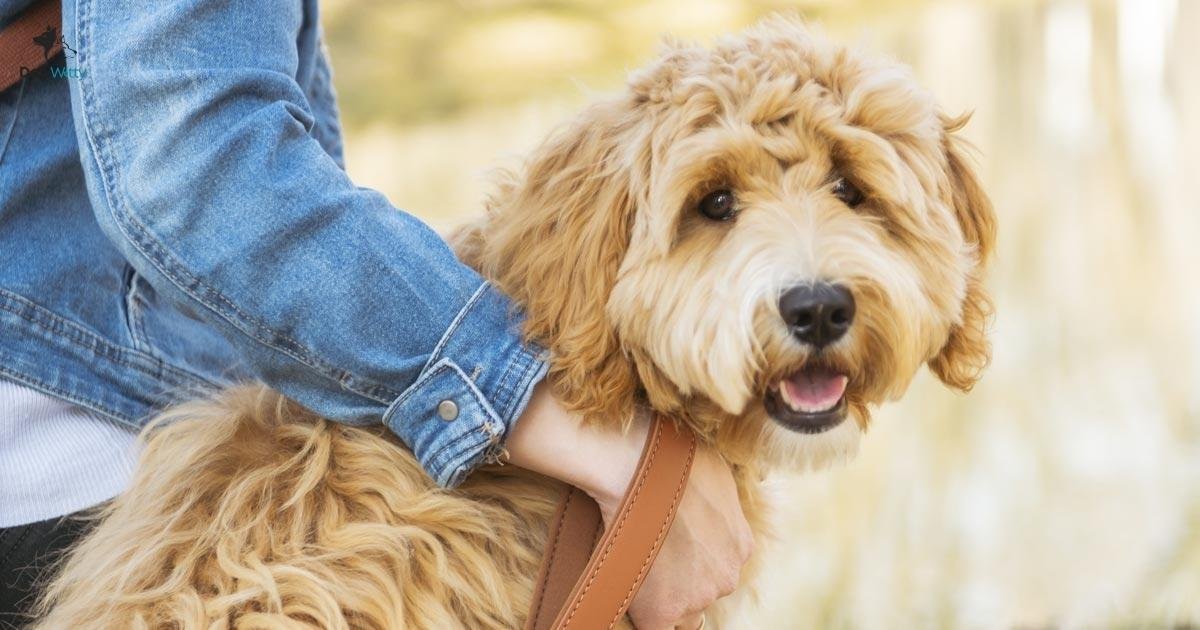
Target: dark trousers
[[26, 552]]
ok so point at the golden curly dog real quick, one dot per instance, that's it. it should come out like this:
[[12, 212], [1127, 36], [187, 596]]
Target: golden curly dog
[[760, 239]]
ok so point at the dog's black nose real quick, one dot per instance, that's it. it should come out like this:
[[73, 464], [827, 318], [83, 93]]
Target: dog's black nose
[[819, 313]]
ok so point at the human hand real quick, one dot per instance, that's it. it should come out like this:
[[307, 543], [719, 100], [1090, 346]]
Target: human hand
[[702, 557], [703, 554]]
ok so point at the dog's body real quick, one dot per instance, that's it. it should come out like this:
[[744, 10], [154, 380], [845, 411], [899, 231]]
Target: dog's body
[[759, 240]]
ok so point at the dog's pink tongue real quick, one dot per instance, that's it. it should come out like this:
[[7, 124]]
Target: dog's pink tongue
[[814, 391]]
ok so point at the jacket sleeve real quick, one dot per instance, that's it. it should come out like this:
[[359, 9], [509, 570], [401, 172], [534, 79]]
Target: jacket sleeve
[[201, 166]]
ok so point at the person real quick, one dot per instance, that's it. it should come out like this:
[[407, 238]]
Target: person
[[175, 216]]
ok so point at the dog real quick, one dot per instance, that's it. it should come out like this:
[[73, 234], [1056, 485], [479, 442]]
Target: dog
[[763, 240]]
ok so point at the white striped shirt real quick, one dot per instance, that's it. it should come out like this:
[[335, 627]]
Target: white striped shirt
[[57, 458]]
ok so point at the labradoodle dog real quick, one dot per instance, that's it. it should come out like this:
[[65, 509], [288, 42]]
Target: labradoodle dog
[[763, 240]]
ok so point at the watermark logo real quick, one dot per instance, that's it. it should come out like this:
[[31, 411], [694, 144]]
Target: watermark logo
[[47, 40]]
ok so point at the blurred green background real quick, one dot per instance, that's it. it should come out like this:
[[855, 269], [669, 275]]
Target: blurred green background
[[1065, 490]]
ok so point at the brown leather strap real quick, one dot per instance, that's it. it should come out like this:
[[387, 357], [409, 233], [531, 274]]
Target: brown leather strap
[[610, 572], [30, 41], [574, 530]]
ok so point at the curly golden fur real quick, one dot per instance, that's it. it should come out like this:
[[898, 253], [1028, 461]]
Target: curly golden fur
[[247, 511]]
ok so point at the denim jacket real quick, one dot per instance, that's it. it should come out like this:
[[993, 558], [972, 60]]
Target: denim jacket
[[174, 217]]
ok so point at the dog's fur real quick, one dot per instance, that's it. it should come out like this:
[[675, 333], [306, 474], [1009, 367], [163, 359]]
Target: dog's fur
[[249, 511]]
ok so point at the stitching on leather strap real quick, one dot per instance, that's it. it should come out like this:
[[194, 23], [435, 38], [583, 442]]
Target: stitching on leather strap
[[616, 533], [662, 532], [558, 530]]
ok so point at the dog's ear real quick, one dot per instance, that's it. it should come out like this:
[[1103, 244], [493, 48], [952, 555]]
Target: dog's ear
[[967, 350], [555, 238]]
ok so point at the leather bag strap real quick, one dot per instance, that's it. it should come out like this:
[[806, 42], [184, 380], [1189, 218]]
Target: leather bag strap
[[587, 584], [30, 41]]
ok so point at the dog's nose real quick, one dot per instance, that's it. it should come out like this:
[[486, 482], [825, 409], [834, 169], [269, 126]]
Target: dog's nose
[[817, 314]]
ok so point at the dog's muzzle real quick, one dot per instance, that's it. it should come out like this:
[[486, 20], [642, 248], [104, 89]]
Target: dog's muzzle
[[813, 399]]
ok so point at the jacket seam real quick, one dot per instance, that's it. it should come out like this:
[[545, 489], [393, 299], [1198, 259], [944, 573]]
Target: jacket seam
[[461, 462], [512, 375], [512, 379], [454, 326], [443, 365], [450, 460], [71, 332], [83, 401]]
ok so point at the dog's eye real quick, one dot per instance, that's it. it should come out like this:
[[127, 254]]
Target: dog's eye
[[847, 192], [719, 205]]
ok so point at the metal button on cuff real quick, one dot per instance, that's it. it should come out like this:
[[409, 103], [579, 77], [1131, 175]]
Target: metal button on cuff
[[447, 410]]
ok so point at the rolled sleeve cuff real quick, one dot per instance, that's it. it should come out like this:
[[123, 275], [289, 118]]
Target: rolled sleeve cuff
[[475, 385]]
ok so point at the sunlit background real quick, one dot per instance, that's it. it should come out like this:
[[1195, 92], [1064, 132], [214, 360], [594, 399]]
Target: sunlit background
[[1065, 490]]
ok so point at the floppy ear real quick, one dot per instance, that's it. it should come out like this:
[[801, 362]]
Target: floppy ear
[[554, 239], [967, 351]]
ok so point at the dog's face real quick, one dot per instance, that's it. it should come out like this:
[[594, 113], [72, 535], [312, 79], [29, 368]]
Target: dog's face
[[784, 233]]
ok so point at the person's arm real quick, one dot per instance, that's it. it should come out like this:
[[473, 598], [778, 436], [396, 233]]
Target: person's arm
[[702, 557], [196, 143]]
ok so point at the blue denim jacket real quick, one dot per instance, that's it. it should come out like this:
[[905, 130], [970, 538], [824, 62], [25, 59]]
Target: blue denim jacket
[[174, 216]]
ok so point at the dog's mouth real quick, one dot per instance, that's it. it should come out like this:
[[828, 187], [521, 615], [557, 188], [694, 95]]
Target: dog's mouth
[[811, 400]]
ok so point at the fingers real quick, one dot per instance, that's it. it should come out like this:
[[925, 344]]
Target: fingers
[[746, 543], [672, 614], [703, 555]]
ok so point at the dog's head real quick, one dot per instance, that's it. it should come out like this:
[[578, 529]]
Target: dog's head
[[762, 239]]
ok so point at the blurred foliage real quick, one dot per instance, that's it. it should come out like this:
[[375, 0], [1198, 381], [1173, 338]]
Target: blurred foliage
[[410, 61]]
